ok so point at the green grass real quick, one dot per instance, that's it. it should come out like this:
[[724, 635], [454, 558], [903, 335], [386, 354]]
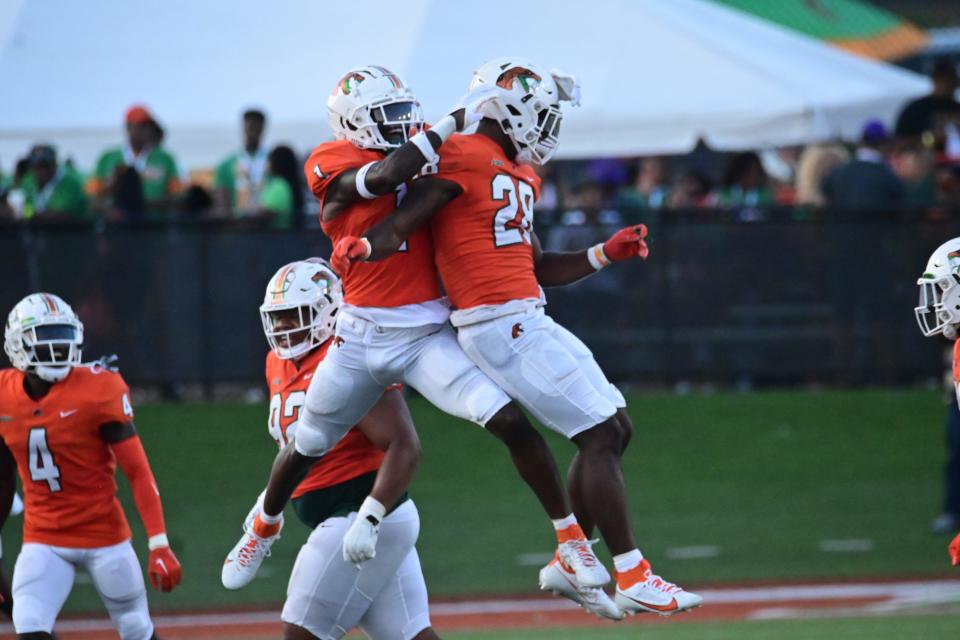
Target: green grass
[[763, 476], [886, 628]]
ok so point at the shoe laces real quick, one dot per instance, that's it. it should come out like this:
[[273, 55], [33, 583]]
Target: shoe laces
[[583, 551], [660, 584], [254, 548]]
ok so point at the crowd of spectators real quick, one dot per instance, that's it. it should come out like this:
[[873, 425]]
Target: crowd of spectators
[[914, 167]]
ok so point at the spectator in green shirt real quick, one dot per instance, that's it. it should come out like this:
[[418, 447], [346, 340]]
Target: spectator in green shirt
[[51, 193], [138, 178], [239, 179], [281, 199]]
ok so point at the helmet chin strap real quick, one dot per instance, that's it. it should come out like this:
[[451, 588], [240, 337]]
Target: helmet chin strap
[[52, 374]]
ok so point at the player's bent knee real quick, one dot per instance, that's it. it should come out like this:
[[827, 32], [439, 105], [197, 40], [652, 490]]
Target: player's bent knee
[[314, 436], [511, 426], [626, 428], [33, 615], [606, 437], [134, 625], [295, 632], [427, 634]]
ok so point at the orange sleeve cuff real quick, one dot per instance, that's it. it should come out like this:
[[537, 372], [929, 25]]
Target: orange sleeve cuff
[[133, 460]]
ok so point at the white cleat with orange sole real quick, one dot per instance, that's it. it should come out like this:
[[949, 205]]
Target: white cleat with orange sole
[[244, 560], [561, 581], [655, 595], [578, 556]]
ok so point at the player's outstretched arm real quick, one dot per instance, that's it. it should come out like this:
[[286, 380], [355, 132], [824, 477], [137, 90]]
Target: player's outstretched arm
[[555, 268], [385, 176], [425, 198], [162, 567], [388, 426]]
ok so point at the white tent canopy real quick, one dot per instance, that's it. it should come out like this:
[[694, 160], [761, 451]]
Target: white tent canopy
[[657, 76]]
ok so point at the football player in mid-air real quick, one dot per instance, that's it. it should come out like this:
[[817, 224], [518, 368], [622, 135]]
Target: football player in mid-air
[[64, 428], [328, 596], [479, 205], [938, 314], [393, 327]]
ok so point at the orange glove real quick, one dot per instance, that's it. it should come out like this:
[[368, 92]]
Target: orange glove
[[164, 569], [349, 250], [954, 550], [627, 243]]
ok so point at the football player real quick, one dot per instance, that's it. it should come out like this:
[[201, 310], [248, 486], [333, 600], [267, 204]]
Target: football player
[[479, 205], [64, 428], [938, 313], [327, 595], [393, 325]]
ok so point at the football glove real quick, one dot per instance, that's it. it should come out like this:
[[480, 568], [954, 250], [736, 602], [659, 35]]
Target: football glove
[[360, 540], [954, 550], [164, 569], [627, 243], [349, 250], [467, 111]]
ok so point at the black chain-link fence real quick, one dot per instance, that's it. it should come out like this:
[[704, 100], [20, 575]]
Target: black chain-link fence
[[773, 302]]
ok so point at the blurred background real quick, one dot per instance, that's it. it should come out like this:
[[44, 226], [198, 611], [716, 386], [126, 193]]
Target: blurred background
[[796, 162]]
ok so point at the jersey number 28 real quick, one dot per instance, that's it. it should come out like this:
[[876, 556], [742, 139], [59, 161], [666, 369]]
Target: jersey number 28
[[513, 222]]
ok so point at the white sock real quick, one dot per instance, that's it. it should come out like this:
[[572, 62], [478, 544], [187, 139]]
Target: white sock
[[268, 519], [563, 523], [626, 561]]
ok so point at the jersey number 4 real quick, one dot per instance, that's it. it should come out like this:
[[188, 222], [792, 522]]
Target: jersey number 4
[[42, 466], [513, 222], [289, 409]]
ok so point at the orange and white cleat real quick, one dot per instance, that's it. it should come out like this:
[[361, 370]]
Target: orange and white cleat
[[579, 557], [560, 580], [244, 560], [651, 593]]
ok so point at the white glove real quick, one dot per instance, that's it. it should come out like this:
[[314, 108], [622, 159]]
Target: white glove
[[473, 102], [360, 540], [568, 86]]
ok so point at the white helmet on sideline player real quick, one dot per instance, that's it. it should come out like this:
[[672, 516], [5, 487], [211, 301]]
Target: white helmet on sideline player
[[43, 336], [312, 290], [372, 109], [939, 307], [528, 105]]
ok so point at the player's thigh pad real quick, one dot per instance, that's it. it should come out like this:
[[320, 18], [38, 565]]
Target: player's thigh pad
[[451, 381], [522, 354], [340, 393], [116, 574], [401, 610], [41, 583], [328, 596], [588, 364]]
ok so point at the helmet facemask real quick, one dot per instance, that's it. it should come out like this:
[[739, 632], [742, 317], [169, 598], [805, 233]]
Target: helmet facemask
[[52, 349], [293, 331], [395, 122], [939, 304]]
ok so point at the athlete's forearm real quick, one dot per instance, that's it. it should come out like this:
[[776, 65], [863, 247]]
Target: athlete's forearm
[[385, 176], [396, 472], [289, 469], [133, 461], [555, 269]]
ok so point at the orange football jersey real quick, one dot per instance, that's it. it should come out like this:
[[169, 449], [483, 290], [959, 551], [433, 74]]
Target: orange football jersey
[[353, 456], [65, 467], [482, 238], [406, 277]]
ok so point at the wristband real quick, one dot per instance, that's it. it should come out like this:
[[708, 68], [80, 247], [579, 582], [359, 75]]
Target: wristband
[[158, 541], [362, 182], [366, 256], [444, 127], [423, 143], [372, 510], [598, 259]]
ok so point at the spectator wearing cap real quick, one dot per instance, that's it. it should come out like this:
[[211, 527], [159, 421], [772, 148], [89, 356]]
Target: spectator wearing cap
[[934, 112], [239, 179], [866, 182], [138, 177], [51, 193]]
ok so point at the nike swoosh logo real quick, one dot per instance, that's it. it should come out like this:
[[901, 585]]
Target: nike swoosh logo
[[67, 414], [672, 606]]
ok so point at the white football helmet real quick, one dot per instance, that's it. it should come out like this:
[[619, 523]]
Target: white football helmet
[[43, 336], [372, 109], [939, 307], [312, 289], [528, 105]]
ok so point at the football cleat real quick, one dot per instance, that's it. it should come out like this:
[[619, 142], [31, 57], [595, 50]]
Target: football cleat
[[244, 560], [579, 556], [561, 581], [655, 595]]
